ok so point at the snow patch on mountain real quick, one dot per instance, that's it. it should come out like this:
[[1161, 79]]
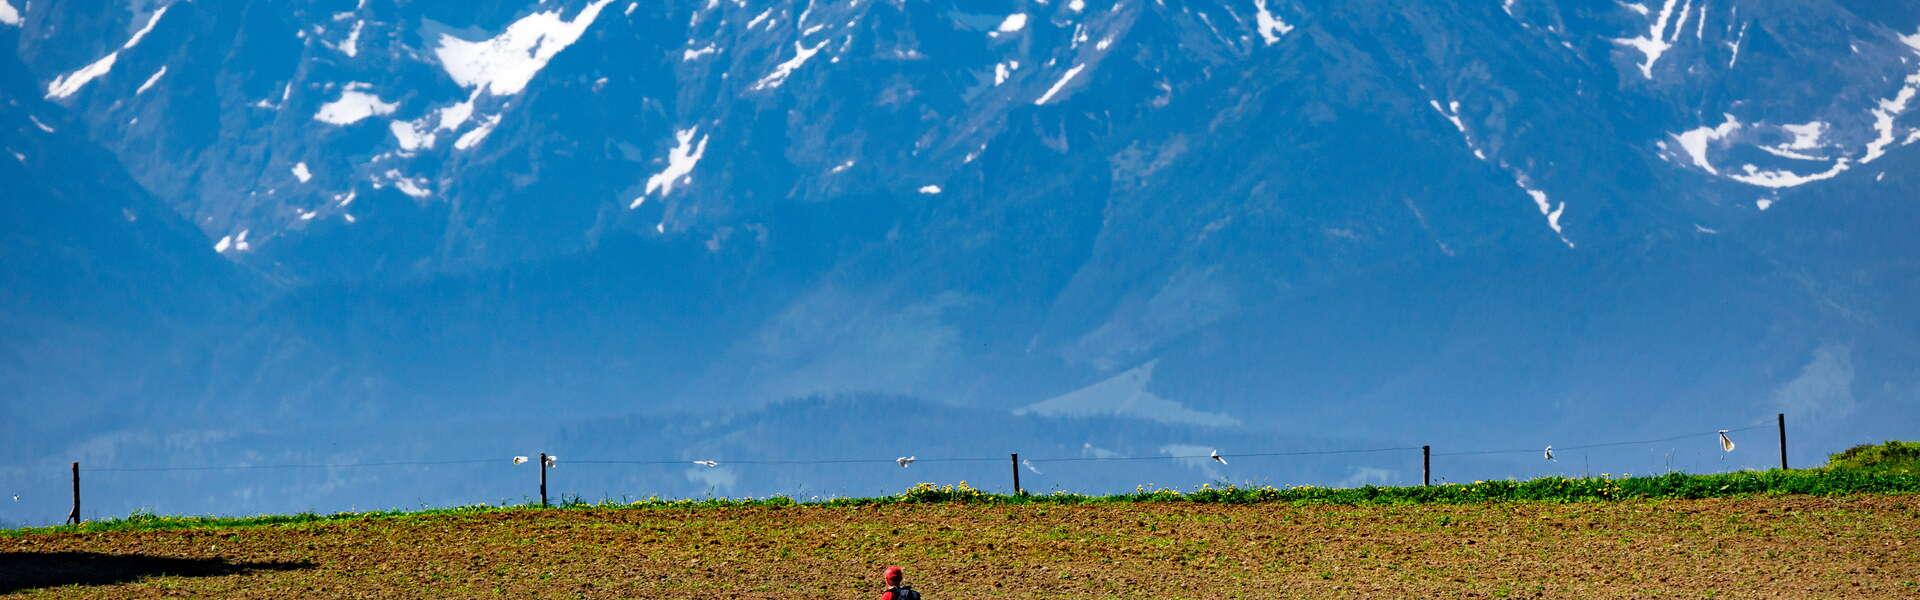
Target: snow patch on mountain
[[1806, 136], [1698, 143], [9, 16], [930, 190], [1782, 178], [1784, 152], [1552, 212], [452, 117], [1883, 116], [301, 172], [350, 46], [472, 138], [1057, 85], [1805, 139], [1681, 24], [1655, 43], [155, 78], [1886, 110], [1700, 24], [680, 162], [37, 124], [1452, 116], [1452, 113], [411, 186], [65, 85], [759, 18], [353, 105], [1012, 24], [1001, 71], [233, 242], [801, 54], [285, 93], [410, 136], [1270, 27], [504, 64], [1695, 141], [1547, 208], [1738, 41], [422, 133]]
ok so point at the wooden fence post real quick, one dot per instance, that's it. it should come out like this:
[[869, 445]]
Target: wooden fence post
[[1426, 465], [1016, 475], [1781, 420], [543, 480], [73, 518]]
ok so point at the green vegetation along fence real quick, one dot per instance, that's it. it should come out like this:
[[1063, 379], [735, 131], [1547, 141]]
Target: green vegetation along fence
[[1884, 478]]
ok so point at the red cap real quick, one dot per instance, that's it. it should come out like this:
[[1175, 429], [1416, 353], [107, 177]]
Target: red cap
[[892, 575]]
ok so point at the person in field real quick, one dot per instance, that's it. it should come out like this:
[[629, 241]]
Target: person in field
[[896, 590]]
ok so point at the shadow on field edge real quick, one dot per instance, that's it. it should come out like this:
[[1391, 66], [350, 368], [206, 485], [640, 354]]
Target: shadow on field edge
[[20, 571]]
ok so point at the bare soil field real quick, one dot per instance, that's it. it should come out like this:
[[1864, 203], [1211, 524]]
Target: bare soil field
[[1865, 546]]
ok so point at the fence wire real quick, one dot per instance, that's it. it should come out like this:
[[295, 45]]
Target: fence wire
[[19, 474], [404, 463], [1607, 444]]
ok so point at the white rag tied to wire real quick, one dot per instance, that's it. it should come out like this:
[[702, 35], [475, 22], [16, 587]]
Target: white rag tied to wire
[[1726, 443]]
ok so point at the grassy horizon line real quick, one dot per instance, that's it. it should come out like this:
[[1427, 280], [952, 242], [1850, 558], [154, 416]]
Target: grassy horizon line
[[1776, 482]]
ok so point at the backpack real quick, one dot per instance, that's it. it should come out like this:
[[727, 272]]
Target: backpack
[[904, 593]]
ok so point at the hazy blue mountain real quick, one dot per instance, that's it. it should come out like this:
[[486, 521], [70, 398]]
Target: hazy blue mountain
[[107, 296], [349, 230]]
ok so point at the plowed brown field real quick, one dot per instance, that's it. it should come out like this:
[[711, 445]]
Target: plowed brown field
[[1787, 547]]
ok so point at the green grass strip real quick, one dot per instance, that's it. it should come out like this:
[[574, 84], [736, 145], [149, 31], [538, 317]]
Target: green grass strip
[[1816, 482]]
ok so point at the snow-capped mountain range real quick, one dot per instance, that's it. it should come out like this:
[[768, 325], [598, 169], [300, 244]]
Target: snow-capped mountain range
[[1356, 219], [342, 101]]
